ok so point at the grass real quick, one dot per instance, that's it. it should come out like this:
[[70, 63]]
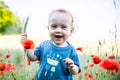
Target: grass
[[95, 71], [21, 70], [11, 45]]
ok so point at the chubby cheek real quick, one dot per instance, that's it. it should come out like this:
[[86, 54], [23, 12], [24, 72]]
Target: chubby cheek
[[51, 33], [67, 33]]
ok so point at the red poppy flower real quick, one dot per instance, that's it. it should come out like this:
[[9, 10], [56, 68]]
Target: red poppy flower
[[96, 59], [110, 65], [2, 73], [7, 55], [86, 73], [90, 76], [111, 57], [80, 49], [92, 65], [32, 78], [2, 65], [28, 61], [9, 67], [92, 55], [28, 44]]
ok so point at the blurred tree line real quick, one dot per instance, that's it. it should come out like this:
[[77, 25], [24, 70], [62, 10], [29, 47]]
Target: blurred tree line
[[9, 23]]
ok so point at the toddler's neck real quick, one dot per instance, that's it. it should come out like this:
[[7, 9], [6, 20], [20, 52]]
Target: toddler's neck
[[62, 45]]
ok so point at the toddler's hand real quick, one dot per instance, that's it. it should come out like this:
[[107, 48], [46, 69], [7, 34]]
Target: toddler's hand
[[71, 66], [27, 44], [69, 62], [23, 37]]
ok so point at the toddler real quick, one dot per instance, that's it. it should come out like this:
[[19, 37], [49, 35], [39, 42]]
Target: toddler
[[58, 58]]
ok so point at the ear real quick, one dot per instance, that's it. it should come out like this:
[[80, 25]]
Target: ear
[[48, 27], [72, 29]]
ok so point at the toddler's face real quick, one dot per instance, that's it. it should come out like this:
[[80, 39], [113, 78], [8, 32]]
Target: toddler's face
[[60, 27]]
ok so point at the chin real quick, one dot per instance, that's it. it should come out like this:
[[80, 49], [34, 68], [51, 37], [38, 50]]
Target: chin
[[58, 43]]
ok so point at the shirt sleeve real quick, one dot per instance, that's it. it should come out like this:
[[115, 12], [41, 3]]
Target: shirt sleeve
[[75, 58], [37, 51], [77, 61]]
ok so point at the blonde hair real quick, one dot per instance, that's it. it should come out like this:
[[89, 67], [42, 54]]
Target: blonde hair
[[63, 11]]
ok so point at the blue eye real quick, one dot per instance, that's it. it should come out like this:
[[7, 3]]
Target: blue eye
[[54, 26], [64, 27]]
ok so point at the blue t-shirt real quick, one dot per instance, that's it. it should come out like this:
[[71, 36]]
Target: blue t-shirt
[[52, 66]]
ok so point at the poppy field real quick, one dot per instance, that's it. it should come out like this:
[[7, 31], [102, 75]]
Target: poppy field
[[100, 60]]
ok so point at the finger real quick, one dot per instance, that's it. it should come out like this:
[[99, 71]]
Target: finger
[[68, 61], [23, 37], [70, 65]]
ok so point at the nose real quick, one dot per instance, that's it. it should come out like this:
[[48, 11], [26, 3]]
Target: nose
[[58, 29]]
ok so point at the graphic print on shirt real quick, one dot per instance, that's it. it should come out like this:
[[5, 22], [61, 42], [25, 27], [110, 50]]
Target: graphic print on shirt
[[48, 72]]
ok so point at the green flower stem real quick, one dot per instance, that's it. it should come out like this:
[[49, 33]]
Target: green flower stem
[[24, 31], [13, 75], [25, 25]]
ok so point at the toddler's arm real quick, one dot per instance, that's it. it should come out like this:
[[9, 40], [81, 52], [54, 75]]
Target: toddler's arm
[[30, 55], [30, 52]]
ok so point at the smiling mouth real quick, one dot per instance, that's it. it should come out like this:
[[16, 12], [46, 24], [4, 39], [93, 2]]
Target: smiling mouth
[[58, 36]]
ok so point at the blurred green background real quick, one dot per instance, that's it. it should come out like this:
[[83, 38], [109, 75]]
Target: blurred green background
[[9, 22]]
